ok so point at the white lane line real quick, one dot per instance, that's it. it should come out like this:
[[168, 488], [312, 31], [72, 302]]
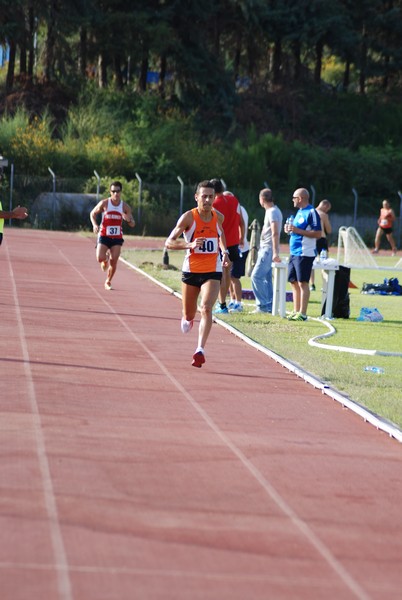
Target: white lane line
[[301, 525], [60, 558]]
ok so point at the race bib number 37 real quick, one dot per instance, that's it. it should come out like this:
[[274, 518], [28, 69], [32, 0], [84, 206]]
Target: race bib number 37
[[113, 230], [210, 246]]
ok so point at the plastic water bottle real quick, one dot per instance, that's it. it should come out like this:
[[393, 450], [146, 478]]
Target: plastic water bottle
[[323, 255], [289, 221], [374, 369]]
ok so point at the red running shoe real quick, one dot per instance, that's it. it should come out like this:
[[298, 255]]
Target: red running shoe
[[198, 359]]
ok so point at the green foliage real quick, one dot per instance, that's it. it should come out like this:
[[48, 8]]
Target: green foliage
[[128, 134]]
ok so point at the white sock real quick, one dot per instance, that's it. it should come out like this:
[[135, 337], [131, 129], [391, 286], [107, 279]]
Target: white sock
[[199, 349]]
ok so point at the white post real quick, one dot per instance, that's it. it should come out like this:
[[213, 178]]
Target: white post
[[312, 188], [356, 195], [54, 191], [181, 194], [139, 197], [11, 189], [98, 179]]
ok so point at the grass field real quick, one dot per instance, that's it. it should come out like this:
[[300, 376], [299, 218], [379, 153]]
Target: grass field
[[343, 371]]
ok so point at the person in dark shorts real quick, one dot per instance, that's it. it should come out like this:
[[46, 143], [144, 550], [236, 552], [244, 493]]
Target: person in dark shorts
[[304, 232], [385, 223], [233, 226], [110, 231], [206, 254]]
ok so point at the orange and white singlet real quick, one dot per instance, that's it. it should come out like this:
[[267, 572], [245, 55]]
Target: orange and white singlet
[[386, 218], [112, 220], [207, 258]]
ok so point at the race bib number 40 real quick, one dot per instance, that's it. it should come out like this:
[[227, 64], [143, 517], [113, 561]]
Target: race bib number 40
[[113, 230], [210, 246]]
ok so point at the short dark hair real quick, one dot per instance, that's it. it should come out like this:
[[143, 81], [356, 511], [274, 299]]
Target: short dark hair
[[117, 184], [206, 184], [266, 194], [218, 186]]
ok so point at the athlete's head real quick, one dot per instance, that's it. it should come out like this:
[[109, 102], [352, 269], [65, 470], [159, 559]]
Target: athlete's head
[[116, 187], [218, 186], [204, 194]]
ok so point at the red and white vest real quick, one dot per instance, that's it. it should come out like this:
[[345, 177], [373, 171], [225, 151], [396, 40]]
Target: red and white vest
[[112, 220]]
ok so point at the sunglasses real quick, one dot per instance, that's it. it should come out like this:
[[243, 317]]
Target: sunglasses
[[115, 191]]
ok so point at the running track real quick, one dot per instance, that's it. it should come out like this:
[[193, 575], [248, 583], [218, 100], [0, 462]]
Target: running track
[[126, 474]]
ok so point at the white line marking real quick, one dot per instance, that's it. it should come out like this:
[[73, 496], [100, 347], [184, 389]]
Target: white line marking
[[61, 563], [301, 525]]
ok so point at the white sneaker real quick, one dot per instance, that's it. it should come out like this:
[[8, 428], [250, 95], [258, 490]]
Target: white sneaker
[[186, 326], [232, 304], [236, 308]]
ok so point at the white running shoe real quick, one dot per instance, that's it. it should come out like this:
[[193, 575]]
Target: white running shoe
[[186, 326], [236, 308]]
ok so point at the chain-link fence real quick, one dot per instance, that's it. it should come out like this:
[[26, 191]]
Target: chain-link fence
[[65, 203]]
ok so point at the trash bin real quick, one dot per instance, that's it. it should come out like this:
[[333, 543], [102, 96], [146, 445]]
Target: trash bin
[[341, 300]]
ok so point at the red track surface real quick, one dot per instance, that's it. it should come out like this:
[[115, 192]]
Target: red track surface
[[127, 474]]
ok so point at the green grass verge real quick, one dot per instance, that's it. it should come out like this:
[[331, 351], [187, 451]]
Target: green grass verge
[[343, 371]]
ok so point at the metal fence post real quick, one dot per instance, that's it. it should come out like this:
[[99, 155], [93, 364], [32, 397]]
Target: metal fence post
[[11, 189], [356, 195], [181, 194], [98, 179], [312, 188], [54, 192], [139, 197]]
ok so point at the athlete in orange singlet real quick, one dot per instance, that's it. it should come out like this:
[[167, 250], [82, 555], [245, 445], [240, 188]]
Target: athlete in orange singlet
[[204, 240]]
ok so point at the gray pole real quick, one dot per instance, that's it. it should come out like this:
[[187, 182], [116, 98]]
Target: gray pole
[[54, 191], [98, 179], [11, 189], [139, 197], [181, 194], [356, 195], [312, 188]]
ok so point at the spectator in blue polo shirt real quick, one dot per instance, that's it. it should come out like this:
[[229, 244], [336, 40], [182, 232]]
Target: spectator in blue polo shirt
[[304, 232]]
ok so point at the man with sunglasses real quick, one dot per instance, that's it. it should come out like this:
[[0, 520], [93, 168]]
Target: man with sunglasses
[[110, 231], [304, 233]]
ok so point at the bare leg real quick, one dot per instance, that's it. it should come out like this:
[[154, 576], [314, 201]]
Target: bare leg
[[190, 295], [391, 241], [377, 241], [296, 296], [237, 289], [224, 286], [101, 253], [209, 294], [304, 296], [114, 253]]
